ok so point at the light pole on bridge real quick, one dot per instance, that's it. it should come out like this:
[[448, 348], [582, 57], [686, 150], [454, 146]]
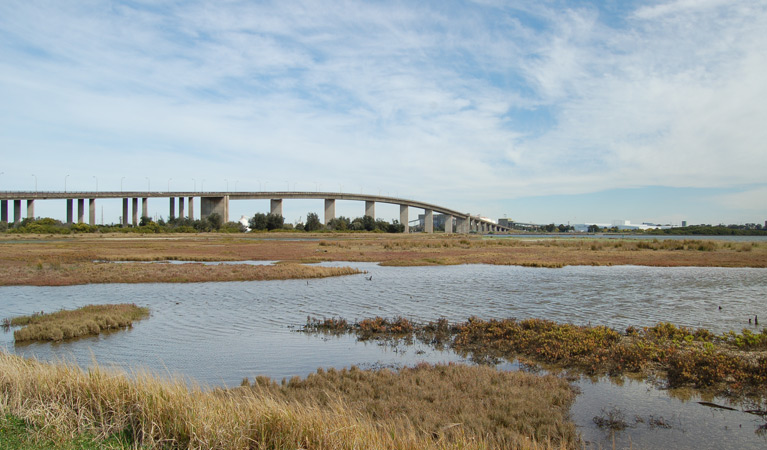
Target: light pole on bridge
[[195, 185], [65, 183], [147, 184], [35, 181], [121, 183], [97, 182]]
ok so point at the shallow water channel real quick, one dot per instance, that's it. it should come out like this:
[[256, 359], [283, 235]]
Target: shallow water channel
[[219, 333]]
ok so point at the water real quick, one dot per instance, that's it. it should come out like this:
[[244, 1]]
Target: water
[[219, 333]]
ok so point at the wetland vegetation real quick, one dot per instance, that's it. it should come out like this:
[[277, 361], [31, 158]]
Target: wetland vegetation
[[426, 407], [731, 364], [68, 260], [89, 320]]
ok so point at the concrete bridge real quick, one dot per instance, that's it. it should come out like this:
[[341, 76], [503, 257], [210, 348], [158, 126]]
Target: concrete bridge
[[218, 202]]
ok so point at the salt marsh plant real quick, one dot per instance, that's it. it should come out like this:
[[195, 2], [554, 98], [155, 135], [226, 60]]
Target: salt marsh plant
[[68, 324], [60, 401]]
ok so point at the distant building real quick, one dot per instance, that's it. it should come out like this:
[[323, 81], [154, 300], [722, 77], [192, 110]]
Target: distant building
[[684, 223]]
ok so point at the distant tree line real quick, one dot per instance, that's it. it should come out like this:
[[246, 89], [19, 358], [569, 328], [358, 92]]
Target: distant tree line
[[46, 225], [269, 222]]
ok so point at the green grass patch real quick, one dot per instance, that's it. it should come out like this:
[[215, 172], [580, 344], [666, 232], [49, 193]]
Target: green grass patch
[[15, 434]]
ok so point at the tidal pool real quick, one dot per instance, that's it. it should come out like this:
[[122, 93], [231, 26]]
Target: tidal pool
[[218, 333]]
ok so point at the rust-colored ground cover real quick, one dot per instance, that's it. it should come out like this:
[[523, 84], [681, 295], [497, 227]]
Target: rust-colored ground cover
[[49, 260]]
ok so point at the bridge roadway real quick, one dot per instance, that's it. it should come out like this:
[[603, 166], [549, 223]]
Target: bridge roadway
[[218, 202]]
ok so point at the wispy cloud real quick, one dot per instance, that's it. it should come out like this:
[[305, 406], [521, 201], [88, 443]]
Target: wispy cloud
[[440, 100]]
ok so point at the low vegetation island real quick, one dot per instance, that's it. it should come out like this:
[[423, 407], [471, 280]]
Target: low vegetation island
[[732, 364], [90, 320]]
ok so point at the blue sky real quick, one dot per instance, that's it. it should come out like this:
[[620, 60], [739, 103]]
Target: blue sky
[[541, 111]]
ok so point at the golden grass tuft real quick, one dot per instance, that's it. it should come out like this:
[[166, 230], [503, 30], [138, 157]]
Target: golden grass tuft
[[449, 402], [85, 321], [63, 401]]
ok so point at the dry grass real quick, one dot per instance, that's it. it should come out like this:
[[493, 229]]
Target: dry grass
[[63, 401], [70, 260], [446, 402], [88, 272], [88, 320]]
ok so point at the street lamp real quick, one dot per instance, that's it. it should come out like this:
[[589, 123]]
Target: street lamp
[[121, 183], [288, 183], [97, 182], [35, 181], [202, 182], [235, 185], [195, 185], [65, 183], [147, 184], [169, 184], [227, 184]]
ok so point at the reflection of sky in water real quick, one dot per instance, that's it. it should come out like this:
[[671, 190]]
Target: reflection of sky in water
[[219, 333]]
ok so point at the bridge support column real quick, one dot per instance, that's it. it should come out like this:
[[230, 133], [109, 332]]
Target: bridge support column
[[4, 211], [181, 207], [370, 209], [215, 205], [17, 211], [448, 224], [80, 210], [92, 211], [403, 217], [275, 206], [428, 221], [460, 225], [30, 209], [125, 212], [144, 207], [191, 208], [330, 210], [70, 211], [172, 213], [135, 211]]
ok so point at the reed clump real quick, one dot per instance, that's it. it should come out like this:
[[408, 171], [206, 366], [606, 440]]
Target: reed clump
[[89, 320], [731, 363], [61, 401], [445, 402]]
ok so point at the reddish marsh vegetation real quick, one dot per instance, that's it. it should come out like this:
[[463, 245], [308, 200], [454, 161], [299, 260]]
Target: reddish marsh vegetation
[[70, 260], [731, 364]]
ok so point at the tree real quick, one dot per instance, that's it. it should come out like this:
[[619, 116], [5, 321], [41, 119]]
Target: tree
[[368, 223], [312, 222], [258, 222], [215, 221], [593, 228], [339, 223], [274, 221], [396, 227]]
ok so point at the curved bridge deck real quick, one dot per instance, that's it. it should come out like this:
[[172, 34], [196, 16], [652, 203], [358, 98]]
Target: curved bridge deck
[[218, 202]]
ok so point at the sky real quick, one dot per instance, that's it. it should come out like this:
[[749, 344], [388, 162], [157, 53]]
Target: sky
[[539, 111]]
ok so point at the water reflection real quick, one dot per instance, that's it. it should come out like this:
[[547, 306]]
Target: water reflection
[[219, 333]]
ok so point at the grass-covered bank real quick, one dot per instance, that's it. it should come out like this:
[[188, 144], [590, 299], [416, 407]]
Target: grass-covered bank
[[732, 364], [68, 324], [64, 260], [60, 402], [57, 274]]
